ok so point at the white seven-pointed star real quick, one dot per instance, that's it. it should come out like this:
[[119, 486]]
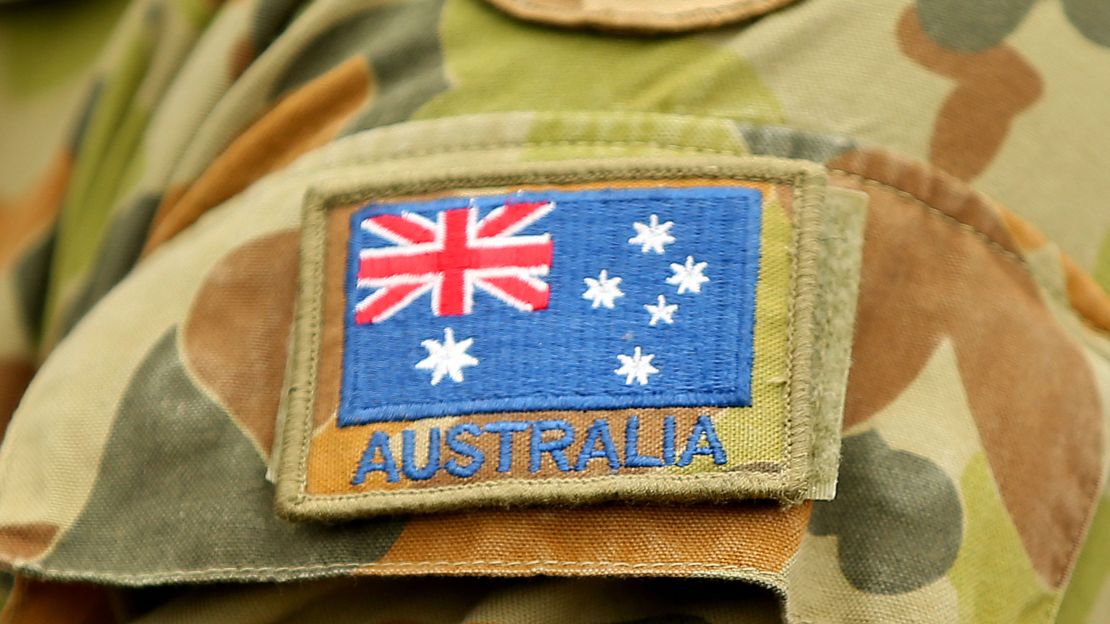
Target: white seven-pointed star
[[604, 290], [447, 358], [636, 367], [661, 311], [689, 276], [653, 236]]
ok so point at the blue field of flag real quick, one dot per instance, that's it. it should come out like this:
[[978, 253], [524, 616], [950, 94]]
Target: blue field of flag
[[613, 298]]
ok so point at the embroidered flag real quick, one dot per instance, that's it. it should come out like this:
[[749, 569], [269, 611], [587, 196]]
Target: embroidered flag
[[553, 300]]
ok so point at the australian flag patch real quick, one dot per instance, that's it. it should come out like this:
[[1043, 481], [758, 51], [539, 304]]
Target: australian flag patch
[[499, 339], [607, 298]]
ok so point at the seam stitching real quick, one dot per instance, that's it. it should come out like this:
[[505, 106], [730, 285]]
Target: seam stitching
[[408, 564], [995, 245]]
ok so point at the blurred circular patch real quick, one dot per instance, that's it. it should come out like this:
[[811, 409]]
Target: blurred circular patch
[[897, 517]]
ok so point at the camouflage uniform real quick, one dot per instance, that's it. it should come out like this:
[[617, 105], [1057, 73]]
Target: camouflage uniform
[[975, 454]]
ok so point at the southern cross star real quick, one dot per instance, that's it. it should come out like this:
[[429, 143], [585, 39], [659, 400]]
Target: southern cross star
[[447, 358], [636, 367], [689, 276], [661, 311], [653, 236], [604, 290]]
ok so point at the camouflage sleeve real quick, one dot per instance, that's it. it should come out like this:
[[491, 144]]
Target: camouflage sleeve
[[153, 277]]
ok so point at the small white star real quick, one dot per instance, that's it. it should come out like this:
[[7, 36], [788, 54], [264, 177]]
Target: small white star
[[636, 367], [689, 276], [653, 236], [604, 290], [447, 358], [661, 311]]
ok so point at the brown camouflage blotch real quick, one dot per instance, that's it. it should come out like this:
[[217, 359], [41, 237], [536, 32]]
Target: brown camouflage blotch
[[242, 55], [949, 196], [26, 541], [235, 336], [47, 602], [944, 271], [23, 217], [563, 541], [15, 374], [993, 87], [305, 119]]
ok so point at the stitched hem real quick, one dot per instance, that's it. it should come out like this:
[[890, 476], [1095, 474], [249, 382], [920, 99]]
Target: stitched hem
[[477, 567]]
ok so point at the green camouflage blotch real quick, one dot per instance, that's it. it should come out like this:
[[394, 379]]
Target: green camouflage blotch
[[408, 70], [500, 64], [1092, 572], [81, 125], [43, 44], [197, 12], [30, 273], [971, 26], [123, 243], [1090, 17], [554, 136], [896, 514], [789, 143], [1102, 264], [977, 26], [1012, 591], [110, 156], [270, 19], [180, 488]]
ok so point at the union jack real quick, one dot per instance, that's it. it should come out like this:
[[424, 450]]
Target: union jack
[[452, 256]]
